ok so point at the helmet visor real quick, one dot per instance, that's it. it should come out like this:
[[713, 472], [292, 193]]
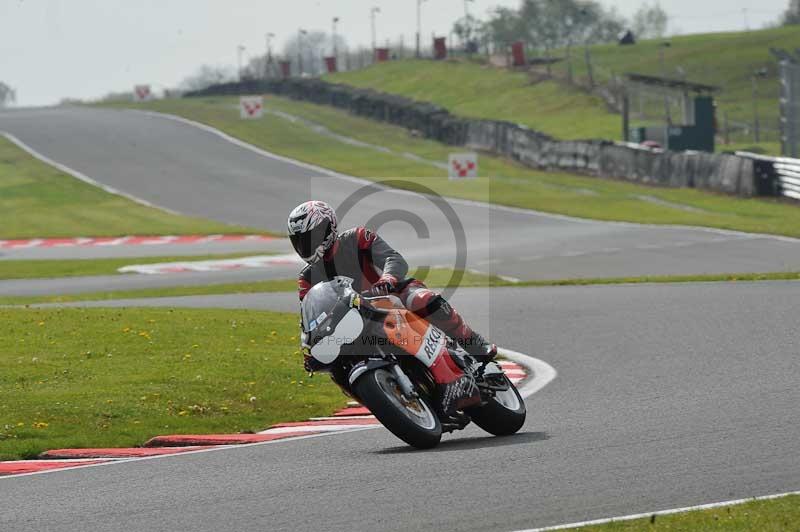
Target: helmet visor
[[306, 244]]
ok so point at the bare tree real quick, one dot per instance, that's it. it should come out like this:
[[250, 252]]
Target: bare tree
[[550, 24], [650, 22], [467, 29], [792, 13], [7, 95], [504, 27], [309, 48]]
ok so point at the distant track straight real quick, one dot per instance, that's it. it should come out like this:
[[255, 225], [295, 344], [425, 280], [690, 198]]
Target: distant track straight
[[206, 173]]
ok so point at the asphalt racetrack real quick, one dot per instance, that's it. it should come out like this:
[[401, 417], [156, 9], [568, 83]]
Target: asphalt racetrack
[[194, 171], [666, 395]]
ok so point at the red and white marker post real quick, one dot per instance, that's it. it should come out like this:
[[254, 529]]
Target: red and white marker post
[[463, 166], [142, 93], [251, 107]]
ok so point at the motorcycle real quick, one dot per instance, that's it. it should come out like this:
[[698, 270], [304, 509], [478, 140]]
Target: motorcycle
[[383, 355]]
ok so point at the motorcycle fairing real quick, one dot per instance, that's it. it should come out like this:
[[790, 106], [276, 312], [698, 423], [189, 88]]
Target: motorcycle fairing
[[417, 337], [326, 347]]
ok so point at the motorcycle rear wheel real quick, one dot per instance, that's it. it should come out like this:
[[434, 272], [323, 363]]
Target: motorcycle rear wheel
[[502, 415], [414, 421]]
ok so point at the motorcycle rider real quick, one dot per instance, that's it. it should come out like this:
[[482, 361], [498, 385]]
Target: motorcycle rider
[[371, 264]]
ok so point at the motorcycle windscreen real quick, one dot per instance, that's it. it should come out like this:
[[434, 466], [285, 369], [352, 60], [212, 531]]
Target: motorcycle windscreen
[[347, 330]]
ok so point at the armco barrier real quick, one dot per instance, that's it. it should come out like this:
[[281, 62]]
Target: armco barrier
[[739, 174], [778, 176]]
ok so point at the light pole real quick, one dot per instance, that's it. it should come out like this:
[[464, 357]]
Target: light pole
[[661, 47], [760, 73], [239, 51], [372, 13], [335, 45], [300, 34], [467, 27], [419, 27], [268, 58]]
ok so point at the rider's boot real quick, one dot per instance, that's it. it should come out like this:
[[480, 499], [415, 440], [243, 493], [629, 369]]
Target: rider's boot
[[455, 387], [459, 394]]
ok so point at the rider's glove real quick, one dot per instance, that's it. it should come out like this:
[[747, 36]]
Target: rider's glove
[[385, 285]]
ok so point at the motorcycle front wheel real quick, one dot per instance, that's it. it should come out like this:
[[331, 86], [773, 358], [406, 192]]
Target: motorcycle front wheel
[[413, 421], [503, 414]]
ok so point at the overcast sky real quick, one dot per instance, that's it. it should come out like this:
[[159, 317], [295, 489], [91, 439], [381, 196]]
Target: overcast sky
[[51, 49]]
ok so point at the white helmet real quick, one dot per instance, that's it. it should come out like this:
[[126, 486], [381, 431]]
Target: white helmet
[[312, 229]]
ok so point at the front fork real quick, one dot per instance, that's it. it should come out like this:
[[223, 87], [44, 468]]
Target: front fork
[[405, 383], [406, 386]]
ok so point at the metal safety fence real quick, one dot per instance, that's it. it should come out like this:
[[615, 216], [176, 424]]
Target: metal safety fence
[[741, 174], [782, 173]]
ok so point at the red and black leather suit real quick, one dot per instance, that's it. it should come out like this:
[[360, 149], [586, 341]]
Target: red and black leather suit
[[361, 255]]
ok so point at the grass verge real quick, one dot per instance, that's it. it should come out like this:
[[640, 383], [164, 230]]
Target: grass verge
[[114, 378], [505, 182], [727, 60], [47, 269], [774, 515], [477, 91], [38, 201], [436, 279]]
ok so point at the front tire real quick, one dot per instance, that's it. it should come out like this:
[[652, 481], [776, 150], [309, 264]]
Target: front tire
[[503, 414], [414, 422]]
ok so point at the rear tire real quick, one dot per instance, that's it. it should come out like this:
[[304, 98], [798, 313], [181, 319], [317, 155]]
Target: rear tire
[[415, 423], [503, 415]]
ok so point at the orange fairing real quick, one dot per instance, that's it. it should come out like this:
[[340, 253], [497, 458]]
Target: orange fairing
[[405, 330], [419, 338]]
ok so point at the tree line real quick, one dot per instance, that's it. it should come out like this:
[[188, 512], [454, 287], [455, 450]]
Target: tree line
[[549, 24]]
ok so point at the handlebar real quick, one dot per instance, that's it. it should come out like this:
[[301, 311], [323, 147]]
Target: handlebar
[[399, 287]]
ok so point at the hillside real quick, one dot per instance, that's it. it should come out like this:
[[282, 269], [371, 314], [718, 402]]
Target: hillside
[[724, 59]]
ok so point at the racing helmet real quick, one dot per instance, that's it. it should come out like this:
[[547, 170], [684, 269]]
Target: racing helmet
[[312, 229]]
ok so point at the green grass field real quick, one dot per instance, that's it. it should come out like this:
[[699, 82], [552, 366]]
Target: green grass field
[[41, 269], [727, 60], [436, 277], [505, 182], [38, 201], [478, 91], [776, 515], [96, 378]]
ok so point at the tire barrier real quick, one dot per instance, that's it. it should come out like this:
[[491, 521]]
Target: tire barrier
[[734, 174]]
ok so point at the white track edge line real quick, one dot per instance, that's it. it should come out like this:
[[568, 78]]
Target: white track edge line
[[684, 509], [215, 448], [461, 201], [546, 373], [540, 373], [81, 176]]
